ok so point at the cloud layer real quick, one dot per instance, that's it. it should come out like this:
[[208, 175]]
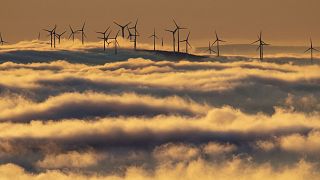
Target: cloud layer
[[139, 118]]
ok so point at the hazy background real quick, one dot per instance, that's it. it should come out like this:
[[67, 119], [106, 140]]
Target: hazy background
[[284, 22]]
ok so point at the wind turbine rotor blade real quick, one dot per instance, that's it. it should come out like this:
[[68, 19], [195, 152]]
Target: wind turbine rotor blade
[[307, 50], [258, 47], [127, 24], [214, 42], [117, 23], [189, 44], [255, 41], [106, 30], [175, 23], [117, 34], [70, 35], [316, 49], [136, 22]]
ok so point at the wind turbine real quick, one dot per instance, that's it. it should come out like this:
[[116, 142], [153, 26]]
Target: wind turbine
[[122, 27], [105, 38], [210, 48], [136, 33], [217, 41], [173, 38], [83, 34], [178, 28], [261, 45], [72, 33], [1, 40], [162, 42], [187, 42], [154, 36], [39, 36], [52, 35], [116, 43], [59, 36], [311, 49]]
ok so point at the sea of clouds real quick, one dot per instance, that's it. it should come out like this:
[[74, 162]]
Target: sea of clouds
[[81, 113]]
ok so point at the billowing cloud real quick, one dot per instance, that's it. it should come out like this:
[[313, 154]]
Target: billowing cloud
[[80, 113]]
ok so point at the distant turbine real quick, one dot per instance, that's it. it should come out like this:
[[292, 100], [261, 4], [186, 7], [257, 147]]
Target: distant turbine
[[72, 33], [52, 35], [105, 37], [162, 42], [210, 48], [122, 27], [39, 36], [154, 36], [60, 35], [217, 41], [116, 43], [2, 42], [311, 49], [187, 42], [178, 28], [261, 45], [135, 34], [83, 34], [173, 38]]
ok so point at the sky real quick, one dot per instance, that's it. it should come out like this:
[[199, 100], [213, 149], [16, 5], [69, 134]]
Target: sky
[[284, 22]]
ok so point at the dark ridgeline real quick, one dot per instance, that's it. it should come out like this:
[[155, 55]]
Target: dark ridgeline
[[187, 42], [217, 41], [83, 34], [311, 49], [73, 33], [60, 35], [52, 34], [154, 36], [178, 28], [133, 35], [122, 27], [210, 49], [2, 42], [105, 37], [116, 43], [173, 38], [261, 45]]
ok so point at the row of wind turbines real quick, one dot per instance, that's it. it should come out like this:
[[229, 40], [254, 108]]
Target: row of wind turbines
[[133, 34]]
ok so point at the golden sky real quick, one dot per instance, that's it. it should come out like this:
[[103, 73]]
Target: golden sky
[[238, 21]]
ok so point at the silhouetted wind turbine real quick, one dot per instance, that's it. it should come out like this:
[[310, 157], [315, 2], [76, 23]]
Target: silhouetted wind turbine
[[217, 41], [72, 34], [162, 42], [187, 42], [154, 36], [39, 36], [210, 48], [1, 40], [178, 28], [261, 45], [105, 37], [173, 38], [136, 33], [116, 43], [311, 49], [60, 35], [83, 34], [122, 27], [52, 35]]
